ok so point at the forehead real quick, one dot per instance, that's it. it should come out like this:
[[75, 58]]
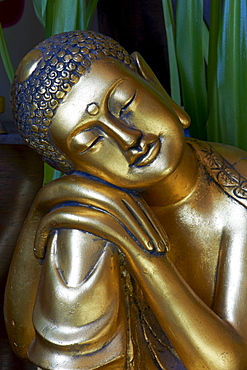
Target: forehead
[[92, 89], [101, 77], [94, 86]]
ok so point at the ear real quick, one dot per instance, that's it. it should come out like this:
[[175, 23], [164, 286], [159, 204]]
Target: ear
[[145, 71]]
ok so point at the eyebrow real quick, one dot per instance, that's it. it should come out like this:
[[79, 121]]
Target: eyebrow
[[114, 86], [109, 92]]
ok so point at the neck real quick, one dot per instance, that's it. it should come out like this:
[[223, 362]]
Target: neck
[[178, 185]]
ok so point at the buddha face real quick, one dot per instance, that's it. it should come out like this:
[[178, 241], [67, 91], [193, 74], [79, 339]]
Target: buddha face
[[115, 126]]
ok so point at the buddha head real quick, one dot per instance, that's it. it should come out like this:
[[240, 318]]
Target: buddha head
[[82, 102]]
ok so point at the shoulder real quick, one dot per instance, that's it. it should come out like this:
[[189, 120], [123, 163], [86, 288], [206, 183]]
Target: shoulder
[[226, 165], [218, 155], [234, 156]]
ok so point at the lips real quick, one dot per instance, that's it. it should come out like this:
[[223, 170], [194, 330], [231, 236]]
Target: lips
[[148, 155]]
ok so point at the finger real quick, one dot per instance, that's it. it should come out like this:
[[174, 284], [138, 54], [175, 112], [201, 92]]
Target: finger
[[87, 219], [148, 221], [130, 208], [156, 224], [100, 195], [125, 207]]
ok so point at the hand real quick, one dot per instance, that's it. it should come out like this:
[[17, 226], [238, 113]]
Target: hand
[[106, 211]]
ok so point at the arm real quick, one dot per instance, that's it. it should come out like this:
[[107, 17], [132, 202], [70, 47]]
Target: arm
[[25, 269], [21, 288], [80, 306], [203, 338]]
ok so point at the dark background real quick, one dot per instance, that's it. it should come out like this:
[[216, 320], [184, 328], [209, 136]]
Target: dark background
[[138, 25]]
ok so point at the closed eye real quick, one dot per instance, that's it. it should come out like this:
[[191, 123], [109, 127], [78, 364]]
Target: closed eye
[[126, 106], [121, 96], [85, 140], [92, 144]]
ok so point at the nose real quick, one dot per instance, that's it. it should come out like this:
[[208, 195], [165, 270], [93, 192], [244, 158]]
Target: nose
[[124, 135]]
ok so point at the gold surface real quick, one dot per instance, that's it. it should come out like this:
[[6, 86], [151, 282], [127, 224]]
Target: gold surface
[[28, 65], [137, 258]]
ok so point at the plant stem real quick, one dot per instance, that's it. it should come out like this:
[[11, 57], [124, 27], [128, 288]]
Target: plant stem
[[173, 67], [5, 56], [189, 33]]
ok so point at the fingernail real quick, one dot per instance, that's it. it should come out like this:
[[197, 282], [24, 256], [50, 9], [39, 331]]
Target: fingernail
[[150, 246], [161, 246]]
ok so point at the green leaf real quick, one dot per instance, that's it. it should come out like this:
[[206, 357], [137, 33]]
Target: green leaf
[[215, 12], [205, 41], [64, 16], [51, 174], [49, 19], [48, 173], [91, 7], [5, 56], [228, 114], [189, 36], [173, 67], [81, 15], [40, 10]]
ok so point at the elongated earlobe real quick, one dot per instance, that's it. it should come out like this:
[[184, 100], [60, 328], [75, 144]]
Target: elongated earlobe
[[146, 72]]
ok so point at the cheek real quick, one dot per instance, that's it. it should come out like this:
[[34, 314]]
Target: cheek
[[155, 119], [172, 151], [106, 159]]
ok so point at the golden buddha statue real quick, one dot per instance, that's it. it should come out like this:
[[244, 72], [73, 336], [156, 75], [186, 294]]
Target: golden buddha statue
[[136, 258]]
